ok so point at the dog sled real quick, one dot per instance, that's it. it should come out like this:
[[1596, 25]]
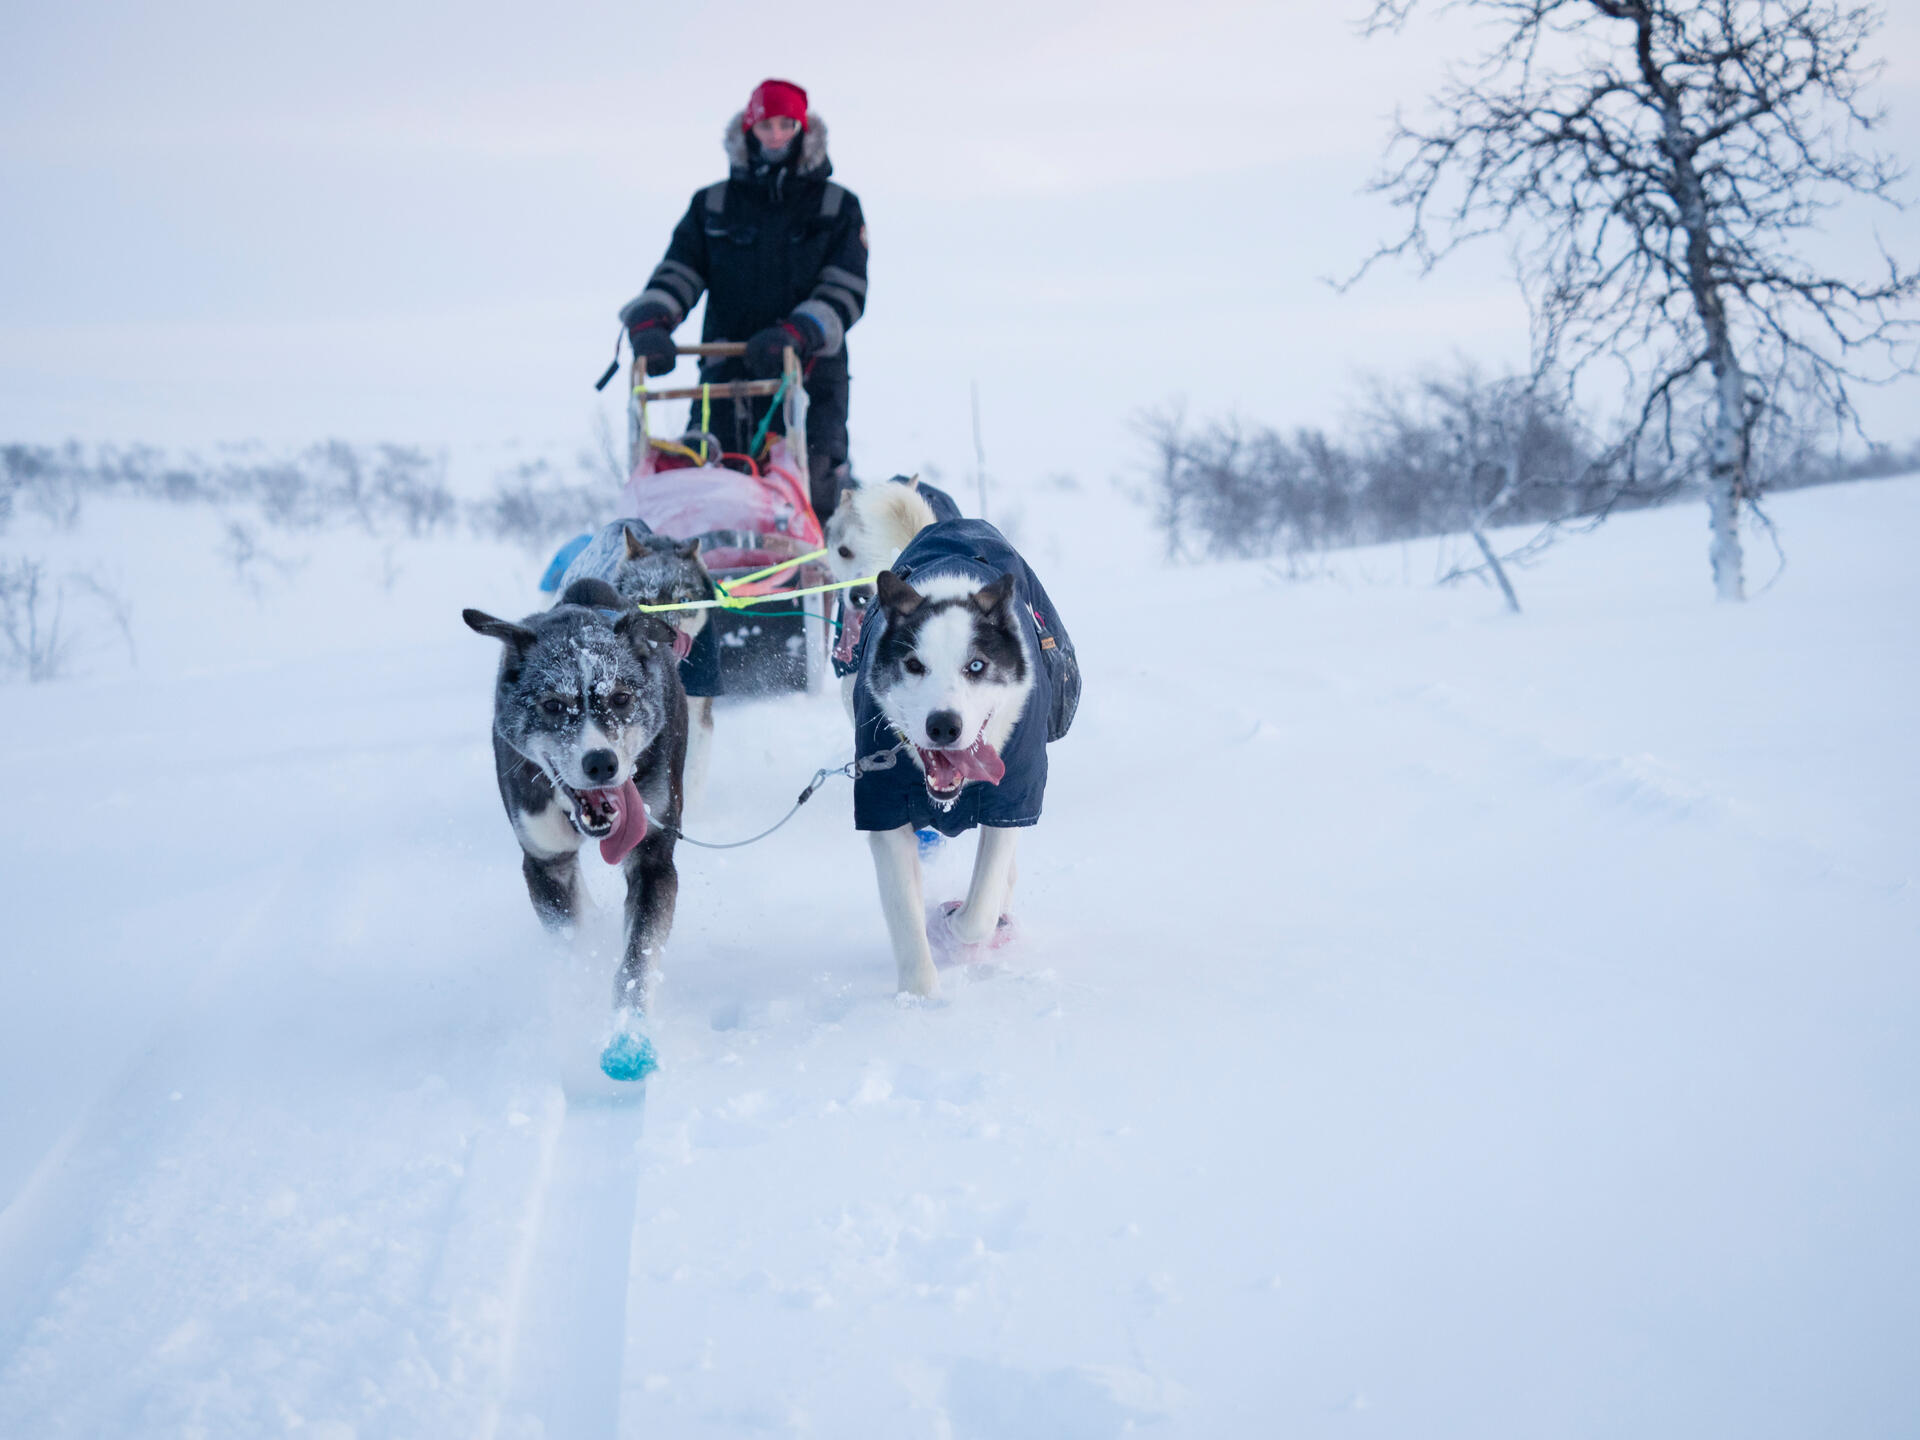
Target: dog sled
[[752, 513]]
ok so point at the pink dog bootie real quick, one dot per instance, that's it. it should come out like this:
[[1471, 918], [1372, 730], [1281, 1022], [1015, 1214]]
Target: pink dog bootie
[[950, 949]]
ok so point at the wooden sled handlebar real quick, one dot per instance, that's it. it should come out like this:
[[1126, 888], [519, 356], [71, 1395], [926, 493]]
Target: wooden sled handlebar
[[793, 404], [720, 390]]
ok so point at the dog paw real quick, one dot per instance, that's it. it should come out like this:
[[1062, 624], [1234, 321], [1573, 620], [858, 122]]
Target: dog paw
[[629, 1055], [950, 949]]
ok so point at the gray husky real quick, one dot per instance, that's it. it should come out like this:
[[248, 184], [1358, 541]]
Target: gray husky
[[589, 743], [650, 569]]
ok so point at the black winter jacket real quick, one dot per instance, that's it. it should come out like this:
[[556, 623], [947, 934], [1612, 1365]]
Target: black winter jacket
[[765, 245]]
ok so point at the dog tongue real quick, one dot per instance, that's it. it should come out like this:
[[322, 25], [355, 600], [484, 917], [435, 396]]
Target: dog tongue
[[629, 820], [849, 634], [950, 768], [682, 643]]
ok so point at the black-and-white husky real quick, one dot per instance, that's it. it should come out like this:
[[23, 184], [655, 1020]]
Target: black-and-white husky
[[965, 674], [589, 742]]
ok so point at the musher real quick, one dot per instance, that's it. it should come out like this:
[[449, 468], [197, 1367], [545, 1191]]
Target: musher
[[781, 253]]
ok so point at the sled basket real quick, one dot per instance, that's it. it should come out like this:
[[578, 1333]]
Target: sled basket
[[750, 512]]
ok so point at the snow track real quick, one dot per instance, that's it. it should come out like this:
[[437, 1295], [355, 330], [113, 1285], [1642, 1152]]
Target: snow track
[[1429, 1024], [46, 1229], [570, 1327]]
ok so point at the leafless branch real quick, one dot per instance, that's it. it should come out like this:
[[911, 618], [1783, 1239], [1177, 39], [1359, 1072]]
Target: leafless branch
[[1660, 161]]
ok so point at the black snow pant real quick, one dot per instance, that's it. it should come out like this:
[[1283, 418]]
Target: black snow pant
[[733, 425]]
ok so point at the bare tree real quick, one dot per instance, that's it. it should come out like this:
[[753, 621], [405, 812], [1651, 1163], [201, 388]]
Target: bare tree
[[1487, 452], [1229, 489], [1659, 161]]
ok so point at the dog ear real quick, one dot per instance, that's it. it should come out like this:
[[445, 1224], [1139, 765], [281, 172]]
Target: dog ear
[[640, 629], [517, 636], [632, 626], [688, 549], [994, 596], [635, 549], [896, 595], [913, 484], [846, 494]]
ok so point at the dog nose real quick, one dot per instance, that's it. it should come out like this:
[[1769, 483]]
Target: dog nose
[[943, 728], [600, 766]]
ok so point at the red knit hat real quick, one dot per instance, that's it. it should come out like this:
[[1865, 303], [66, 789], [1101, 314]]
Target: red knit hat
[[775, 97]]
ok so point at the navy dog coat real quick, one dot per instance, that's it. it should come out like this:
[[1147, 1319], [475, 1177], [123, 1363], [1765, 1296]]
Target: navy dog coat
[[938, 500], [887, 798]]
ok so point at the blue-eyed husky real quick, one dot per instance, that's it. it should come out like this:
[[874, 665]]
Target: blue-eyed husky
[[589, 743], [965, 674]]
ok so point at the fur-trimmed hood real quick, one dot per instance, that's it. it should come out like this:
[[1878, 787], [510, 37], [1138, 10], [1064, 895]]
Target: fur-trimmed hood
[[813, 145]]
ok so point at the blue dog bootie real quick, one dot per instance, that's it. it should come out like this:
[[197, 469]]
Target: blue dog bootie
[[930, 841], [629, 1055]]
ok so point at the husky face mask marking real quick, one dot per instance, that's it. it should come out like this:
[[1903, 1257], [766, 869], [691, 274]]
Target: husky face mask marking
[[575, 697], [950, 675]]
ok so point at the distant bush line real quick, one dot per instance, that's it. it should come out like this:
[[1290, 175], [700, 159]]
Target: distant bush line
[[385, 490], [1448, 454]]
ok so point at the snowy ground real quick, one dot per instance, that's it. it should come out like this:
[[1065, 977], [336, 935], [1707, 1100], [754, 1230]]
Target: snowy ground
[[1430, 1023]]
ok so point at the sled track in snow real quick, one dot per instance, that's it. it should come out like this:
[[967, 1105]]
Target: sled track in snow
[[530, 1283], [49, 1223], [571, 1324]]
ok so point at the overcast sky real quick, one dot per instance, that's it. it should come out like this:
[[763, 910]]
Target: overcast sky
[[415, 223]]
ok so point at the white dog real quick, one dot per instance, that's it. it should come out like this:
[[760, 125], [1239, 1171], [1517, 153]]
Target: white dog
[[869, 527]]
